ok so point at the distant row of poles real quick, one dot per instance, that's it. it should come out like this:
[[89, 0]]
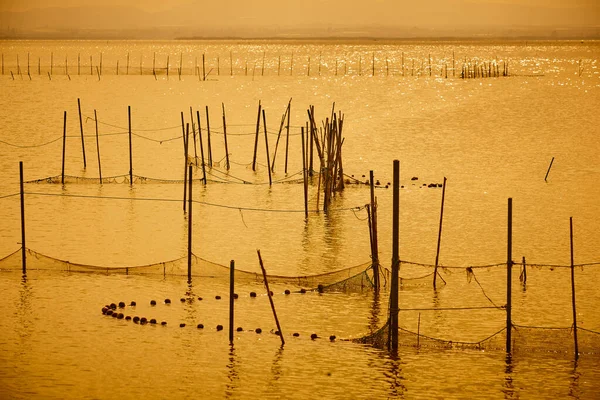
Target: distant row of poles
[[289, 65]]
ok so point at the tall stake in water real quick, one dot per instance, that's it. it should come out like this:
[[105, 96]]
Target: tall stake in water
[[437, 254], [573, 291], [81, 128], [509, 280], [395, 258], [23, 248]]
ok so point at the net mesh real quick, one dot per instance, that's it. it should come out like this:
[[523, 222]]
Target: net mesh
[[357, 277]]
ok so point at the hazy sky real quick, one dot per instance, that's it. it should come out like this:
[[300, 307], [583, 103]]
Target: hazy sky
[[348, 12]]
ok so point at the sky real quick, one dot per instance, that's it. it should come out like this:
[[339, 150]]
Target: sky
[[292, 13]]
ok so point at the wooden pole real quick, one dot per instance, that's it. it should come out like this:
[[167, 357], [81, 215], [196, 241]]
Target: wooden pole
[[210, 160], [51, 62], [256, 137], [270, 297], [81, 128], [154, 65], [23, 246], [130, 155], [201, 146], [98, 147], [278, 137], [524, 271], [509, 280], [194, 136], [287, 137], [62, 180], [573, 290], [547, 172], [225, 138], [304, 182], [437, 253], [395, 258], [267, 145], [231, 298], [189, 263], [374, 244], [185, 156]]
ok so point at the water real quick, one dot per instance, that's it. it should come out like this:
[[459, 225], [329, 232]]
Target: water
[[492, 138]]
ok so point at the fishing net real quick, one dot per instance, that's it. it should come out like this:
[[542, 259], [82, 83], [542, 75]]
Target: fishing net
[[535, 339], [358, 277]]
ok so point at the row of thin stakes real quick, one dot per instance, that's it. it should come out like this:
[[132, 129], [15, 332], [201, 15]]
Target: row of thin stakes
[[324, 140], [470, 68]]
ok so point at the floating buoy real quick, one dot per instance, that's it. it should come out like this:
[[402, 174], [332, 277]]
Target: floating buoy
[[121, 304], [414, 178], [235, 296], [296, 334], [128, 318], [217, 297], [109, 312], [313, 336], [239, 329], [114, 315], [252, 294], [271, 292], [320, 288], [182, 325], [153, 321], [200, 298], [277, 333], [167, 301], [219, 327], [287, 291], [104, 310], [136, 319], [258, 330], [152, 302], [332, 338], [302, 290], [378, 183], [143, 320], [133, 304], [182, 300], [163, 323], [120, 316], [113, 306], [200, 326]]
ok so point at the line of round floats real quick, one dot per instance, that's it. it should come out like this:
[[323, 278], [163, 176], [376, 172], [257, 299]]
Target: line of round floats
[[114, 310]]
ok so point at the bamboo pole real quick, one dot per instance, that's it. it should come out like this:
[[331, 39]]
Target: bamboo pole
[[98, 147], [373, 228], [210, 159], [225, 138], [267, 145], [190, 225], [203, 67], [130, 155], [304, 179], [524, 272], [547, 172], [201, 146], [256, 137], [81, 128], [154, 64], [287, 137], [62, 180], [22, 195], [573, 290], [393, 343], [231, 298], [185, 156], [439, 241], [509, 280], [270, 297], [194, 136], [278, 137]]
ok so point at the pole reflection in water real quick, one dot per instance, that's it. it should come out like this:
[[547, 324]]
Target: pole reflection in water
[[509, 389], [393, 375], [232, 373]]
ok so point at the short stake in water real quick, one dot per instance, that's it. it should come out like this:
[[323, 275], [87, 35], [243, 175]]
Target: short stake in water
[[270, 298]]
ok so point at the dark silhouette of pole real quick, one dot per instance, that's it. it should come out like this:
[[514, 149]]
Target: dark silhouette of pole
[[81, 128], [130, 155], [264, 272], [437, 253], [190, 227], [23, 248], [98, 147], [231, 298], [509, 280], [395, 258], [62, 179], [573, 291]]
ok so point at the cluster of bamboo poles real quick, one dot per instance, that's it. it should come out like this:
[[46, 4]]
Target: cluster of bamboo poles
[[328, 142], [485, 69], [203, 71]]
